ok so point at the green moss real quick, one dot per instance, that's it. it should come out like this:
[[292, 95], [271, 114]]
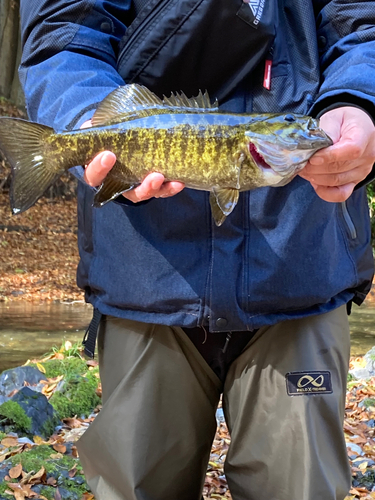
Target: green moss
[[3, 488], [65, 367], [48, 493], [2, 435], [12, 412], [369, 402], [40, 456], [78, 396]]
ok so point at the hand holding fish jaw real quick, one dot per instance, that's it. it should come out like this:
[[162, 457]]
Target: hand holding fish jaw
[[334, 171], [153, 186]]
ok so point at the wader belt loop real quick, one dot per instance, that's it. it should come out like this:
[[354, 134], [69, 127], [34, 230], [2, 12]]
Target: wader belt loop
[[89, 340]]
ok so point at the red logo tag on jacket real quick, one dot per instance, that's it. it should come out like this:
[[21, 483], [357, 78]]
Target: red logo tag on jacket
[[267, 75]]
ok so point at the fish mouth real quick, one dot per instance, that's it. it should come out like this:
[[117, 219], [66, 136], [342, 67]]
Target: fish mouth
[[257, 157]]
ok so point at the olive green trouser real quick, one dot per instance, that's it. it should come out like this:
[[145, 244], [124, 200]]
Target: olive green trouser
[[152, 439]]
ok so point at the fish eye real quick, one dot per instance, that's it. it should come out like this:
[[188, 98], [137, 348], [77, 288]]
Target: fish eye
[[289, 118]]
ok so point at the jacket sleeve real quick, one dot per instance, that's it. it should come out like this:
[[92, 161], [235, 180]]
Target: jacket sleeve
[[69, 57], [346, 40]]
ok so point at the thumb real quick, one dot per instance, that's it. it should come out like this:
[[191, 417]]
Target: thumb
[[96, 171]]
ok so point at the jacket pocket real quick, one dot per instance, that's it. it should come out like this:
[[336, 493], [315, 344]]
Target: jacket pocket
[[348, 221]]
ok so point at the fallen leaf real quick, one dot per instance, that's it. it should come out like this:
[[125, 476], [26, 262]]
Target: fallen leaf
[[9, 441], [15, 471], [41, 368]]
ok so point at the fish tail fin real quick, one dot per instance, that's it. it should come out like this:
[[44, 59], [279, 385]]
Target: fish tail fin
[[33, 169]]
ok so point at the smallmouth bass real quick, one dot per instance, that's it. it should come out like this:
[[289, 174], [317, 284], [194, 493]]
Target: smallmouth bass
[[185, 139]]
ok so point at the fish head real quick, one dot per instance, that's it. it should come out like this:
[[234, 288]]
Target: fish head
[[281, 145]]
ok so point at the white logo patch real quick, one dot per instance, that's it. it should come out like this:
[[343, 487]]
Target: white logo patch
[[256, 7]]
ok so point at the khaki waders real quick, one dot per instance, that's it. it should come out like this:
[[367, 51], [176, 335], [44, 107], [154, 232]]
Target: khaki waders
[[283, 400]]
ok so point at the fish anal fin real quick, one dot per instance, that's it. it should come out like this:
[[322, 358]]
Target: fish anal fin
[[109, 190], [217, 214], [133, 101], [226, 199]]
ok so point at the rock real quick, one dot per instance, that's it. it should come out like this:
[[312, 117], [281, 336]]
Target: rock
[[15, 379], [220, 416], [360, 373], [39, 410], [355, 448], [370, 361]]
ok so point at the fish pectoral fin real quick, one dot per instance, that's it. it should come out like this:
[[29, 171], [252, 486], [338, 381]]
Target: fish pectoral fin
[[222, 203], [109, 190]]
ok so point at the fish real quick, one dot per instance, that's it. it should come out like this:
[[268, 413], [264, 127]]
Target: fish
[[186, 139]]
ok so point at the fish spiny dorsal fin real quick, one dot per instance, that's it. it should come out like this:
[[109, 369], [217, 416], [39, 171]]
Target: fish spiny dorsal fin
[[200, 103], [134, 101]]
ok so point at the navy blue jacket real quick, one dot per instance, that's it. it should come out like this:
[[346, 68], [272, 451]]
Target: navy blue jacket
[[283, 253]]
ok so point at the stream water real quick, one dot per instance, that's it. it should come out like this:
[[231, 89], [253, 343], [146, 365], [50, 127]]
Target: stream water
[[28, 331]]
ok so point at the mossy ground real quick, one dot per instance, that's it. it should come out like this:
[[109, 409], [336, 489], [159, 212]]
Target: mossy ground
[[56, 465], [11, 412], [77, 396]]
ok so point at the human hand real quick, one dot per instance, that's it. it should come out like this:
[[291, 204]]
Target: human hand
[[153, 186], [334, 171]]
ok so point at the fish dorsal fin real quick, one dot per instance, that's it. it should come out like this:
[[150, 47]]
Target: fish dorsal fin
[[200, 103], [134, 101], [222, 203]]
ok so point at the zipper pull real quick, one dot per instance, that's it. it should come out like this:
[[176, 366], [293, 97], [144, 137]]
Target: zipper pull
[[228, 337]]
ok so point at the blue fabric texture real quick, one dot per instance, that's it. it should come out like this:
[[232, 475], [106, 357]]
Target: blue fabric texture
[[283, 253]]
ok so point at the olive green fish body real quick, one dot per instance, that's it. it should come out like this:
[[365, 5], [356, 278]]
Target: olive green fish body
[[187, 140]]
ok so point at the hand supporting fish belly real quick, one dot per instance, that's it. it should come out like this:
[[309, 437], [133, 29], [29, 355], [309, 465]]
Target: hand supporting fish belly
[[152, 186], [186, 140]]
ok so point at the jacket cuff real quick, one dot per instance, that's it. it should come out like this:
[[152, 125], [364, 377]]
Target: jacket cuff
[[341, 100]]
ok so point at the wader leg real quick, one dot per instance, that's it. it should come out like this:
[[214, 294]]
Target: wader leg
[[290, 447], [153, 436]]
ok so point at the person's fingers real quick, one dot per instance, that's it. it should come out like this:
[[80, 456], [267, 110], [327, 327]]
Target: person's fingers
[[153, 186], [335, 194], [170, 188], [337, 179], [96, 171]]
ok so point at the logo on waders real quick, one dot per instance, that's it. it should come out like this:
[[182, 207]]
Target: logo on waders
[[308, 383]]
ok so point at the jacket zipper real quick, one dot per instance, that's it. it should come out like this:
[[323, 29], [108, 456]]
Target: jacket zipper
[[348, 220]]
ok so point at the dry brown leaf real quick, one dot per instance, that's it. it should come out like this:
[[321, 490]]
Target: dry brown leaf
[[57, 495], [38, 477], [15, 471], [9, 441], [59, 448]]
